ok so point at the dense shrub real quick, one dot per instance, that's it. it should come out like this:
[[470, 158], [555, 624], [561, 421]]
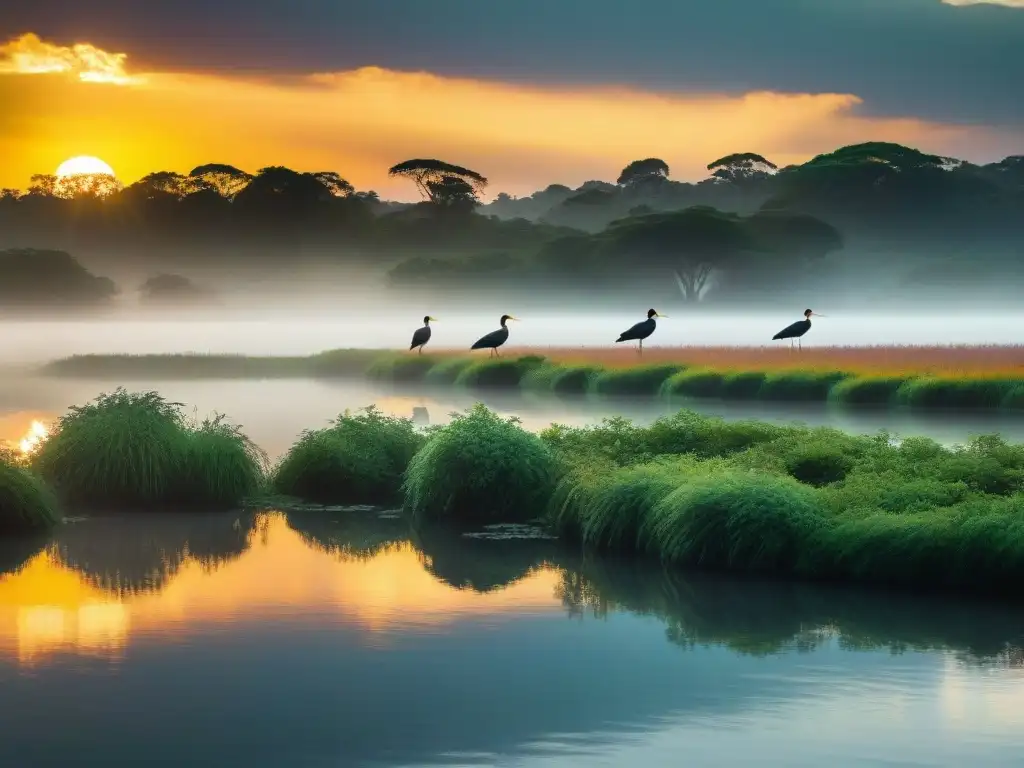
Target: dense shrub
[[359, 459], [480, 467], [401, 369]]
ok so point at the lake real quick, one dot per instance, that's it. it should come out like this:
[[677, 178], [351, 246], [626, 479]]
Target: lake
[[336, 638], [274, 412]]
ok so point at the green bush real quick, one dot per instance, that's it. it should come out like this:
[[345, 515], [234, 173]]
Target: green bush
[[742, 521], [633, 381], [135, 451], [480, 467], [359, 459], [26, 504], [817, 464]]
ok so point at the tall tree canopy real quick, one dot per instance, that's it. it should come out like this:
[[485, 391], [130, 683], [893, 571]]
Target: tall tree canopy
[[640, 171], [692, 244], [439, 182], [741, 166], [225, 180]]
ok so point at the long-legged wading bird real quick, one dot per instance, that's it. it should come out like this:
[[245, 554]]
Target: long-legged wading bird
[[797, 329], [641, 330], [421, 336], [494, 339]]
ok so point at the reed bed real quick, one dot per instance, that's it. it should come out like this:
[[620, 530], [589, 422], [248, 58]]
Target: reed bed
[[689, 491]]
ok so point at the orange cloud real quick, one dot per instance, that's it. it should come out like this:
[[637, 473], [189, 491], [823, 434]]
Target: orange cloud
[[361, 122], [28, 55]]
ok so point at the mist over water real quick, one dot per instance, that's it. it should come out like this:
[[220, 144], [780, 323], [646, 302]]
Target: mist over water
[[302, 331]]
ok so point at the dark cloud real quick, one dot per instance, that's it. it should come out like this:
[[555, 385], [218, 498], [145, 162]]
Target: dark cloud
[[918, 58]]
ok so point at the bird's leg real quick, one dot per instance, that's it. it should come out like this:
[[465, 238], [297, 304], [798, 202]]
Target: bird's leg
[[640, 349], [496, 354], [420, 352], [800, 344]]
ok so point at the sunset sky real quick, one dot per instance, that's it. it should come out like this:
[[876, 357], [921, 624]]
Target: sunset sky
[[527, 92]]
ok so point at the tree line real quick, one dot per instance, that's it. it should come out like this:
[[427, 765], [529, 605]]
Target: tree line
[[750, 226]]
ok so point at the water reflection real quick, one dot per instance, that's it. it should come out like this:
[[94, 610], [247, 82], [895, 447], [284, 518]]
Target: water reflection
[[335, 637]]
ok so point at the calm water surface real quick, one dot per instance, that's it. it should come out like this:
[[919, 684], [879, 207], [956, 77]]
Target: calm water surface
[[274, 412], [323, 638]]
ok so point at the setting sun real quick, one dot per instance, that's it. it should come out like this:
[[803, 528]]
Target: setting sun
[[36, 434], [84, 164]]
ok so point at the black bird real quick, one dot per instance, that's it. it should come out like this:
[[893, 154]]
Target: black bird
[[641, 330], [422, 335], [797, 329], [494, 339]]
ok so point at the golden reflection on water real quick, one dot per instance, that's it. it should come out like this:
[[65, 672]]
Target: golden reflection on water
[[48, 607]]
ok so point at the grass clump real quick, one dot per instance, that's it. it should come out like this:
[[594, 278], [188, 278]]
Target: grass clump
[[694, 383], [129, 450], [401, 369], [498, 373], [932, 392], [359, 459], [447, 371], [866, 390], [798, 386], [26, 503], [741, 521], [222, 465], [480, 467], [635, 381]]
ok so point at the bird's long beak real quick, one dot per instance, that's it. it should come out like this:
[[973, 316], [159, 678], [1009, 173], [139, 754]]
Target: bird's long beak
[[817, 315], [433, 319], [513, 318], [658, 314]]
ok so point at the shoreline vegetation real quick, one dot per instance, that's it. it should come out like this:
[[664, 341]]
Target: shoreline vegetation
[[933, 377], [688, 491]]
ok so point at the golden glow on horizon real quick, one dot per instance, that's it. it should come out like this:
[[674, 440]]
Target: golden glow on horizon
[[361, 122], [47, 607]]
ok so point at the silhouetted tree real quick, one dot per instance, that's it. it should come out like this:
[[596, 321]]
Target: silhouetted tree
[[742, 166], [50, 278], [225, 180], [692, 244], [436, 180], [640, 171]]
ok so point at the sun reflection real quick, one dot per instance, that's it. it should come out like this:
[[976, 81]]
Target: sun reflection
[[47, 607], [37, 433]]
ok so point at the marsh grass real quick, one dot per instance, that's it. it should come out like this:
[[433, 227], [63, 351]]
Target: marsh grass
[[26, 503], [359, 459], [808, 502], [136, 450], [480, 467], [500, 373], [642, 380], [222, 465], [912, 376]]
